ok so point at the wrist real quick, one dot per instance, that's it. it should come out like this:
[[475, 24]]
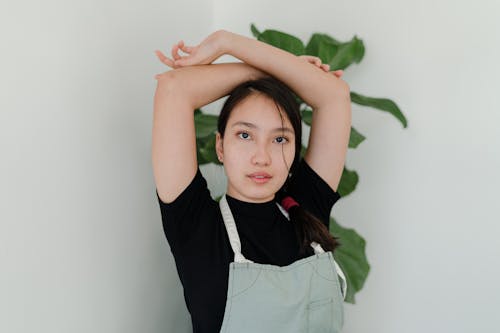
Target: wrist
[[225, 40]]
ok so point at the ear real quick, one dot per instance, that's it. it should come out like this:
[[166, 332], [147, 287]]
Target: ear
[[218, 147]]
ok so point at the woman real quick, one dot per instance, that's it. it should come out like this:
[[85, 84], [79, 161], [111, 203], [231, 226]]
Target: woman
[[255, 261]]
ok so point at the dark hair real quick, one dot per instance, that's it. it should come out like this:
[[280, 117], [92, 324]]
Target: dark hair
[[308, 228]]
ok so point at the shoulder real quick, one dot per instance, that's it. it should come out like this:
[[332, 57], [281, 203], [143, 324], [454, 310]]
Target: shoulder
[[185, 216], [312, 191]]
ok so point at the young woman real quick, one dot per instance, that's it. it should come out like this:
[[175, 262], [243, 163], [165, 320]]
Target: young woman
[[260, 260]]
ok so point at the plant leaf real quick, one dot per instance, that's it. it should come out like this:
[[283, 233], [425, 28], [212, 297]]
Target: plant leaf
[[322, 46], [255, 32], [205, 124], [207, 150], [348, 53], [383, 104], [355, 138], [283, 41], [199, 156], [348, 182], [351, 257], [303, 150], [307, 116]]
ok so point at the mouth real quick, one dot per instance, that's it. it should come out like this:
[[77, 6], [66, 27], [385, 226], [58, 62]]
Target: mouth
[[260, 178]]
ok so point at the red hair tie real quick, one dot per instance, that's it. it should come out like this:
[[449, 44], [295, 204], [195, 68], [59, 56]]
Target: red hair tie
[[288, 202]]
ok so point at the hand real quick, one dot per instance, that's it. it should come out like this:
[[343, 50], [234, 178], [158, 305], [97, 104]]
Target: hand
[[317, 62], [202, 54]]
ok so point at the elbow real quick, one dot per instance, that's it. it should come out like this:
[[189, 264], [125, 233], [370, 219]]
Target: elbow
[[336, 87], [341, 87], [166, 82], [337, 92]]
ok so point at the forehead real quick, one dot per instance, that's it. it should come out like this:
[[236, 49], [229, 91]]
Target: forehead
[[260, 110]]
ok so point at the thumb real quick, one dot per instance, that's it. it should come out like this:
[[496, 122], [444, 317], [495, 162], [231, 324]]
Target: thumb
[[181, 62]]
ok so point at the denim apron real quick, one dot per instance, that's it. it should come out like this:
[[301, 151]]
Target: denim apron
[[305, 296]]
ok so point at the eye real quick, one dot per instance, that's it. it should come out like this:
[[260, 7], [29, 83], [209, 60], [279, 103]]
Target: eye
[[246, 135], [282, 139]]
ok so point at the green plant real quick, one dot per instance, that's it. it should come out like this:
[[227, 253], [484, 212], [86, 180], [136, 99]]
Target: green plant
[[351, 255]]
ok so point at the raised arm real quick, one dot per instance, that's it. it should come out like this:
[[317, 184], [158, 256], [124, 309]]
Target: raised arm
[[179, 92], [327, 94]]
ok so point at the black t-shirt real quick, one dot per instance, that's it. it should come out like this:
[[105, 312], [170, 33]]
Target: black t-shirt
[[195, 231]]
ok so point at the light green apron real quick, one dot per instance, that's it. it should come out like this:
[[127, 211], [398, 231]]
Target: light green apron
[[304, 296]]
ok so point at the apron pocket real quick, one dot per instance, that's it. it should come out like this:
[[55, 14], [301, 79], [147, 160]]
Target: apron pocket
[[320, 316]]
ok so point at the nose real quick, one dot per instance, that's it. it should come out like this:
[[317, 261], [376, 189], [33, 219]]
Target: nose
[[261, 156]]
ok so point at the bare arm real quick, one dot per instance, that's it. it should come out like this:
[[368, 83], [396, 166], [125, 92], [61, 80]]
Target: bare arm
[[178, 93], [328, 95], [311, 83]]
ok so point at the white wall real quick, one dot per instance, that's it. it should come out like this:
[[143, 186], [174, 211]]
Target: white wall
[[81, 243]]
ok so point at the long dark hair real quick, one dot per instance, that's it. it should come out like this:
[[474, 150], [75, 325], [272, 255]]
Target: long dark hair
[[308, 227]]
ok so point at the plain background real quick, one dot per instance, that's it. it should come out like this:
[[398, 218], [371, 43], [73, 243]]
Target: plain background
[[81, 243]]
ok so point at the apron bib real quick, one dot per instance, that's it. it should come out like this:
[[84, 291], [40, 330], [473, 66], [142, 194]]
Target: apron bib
[[305, 296]]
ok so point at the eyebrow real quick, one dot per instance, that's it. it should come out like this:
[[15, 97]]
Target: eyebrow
[[250, 125]]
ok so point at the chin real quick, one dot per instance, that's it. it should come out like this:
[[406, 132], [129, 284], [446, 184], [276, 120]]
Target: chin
[[262, 195]]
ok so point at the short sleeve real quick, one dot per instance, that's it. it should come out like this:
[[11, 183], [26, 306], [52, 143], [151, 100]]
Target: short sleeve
[[313, 192], [184, 216]]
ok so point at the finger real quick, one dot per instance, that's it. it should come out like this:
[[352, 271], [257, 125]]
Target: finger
[[314, 60], [338, 73], [325, 67], [164, 59], [185, 48], [175, 49], [180, 45], [310, 59], [182, 61]]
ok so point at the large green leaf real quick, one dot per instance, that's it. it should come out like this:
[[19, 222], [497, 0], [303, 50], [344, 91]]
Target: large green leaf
[[306, 116], [351, 257], [205, 124], [255, 32], [199, 157], [207, 150], [303, 150], [383, 104], [348, 53], [348, 182], [282, 41], [322, 46], [355, 138]]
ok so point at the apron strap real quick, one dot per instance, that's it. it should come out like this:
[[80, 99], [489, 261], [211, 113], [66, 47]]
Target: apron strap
[[234, 238], [343, 280], [318, 249]]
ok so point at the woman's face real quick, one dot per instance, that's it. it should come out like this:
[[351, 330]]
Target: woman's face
[[254, 142]]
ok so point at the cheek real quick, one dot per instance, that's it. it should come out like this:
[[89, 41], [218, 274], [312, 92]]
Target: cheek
[[235, 151], [287, 150]]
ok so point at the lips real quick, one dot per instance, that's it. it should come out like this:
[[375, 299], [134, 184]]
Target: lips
[[260, 175]]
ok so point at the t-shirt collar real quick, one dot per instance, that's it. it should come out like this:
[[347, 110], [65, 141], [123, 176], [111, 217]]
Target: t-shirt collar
[[265, 210]]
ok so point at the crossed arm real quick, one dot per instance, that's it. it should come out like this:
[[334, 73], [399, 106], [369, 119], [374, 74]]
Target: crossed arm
[[200, 83]]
